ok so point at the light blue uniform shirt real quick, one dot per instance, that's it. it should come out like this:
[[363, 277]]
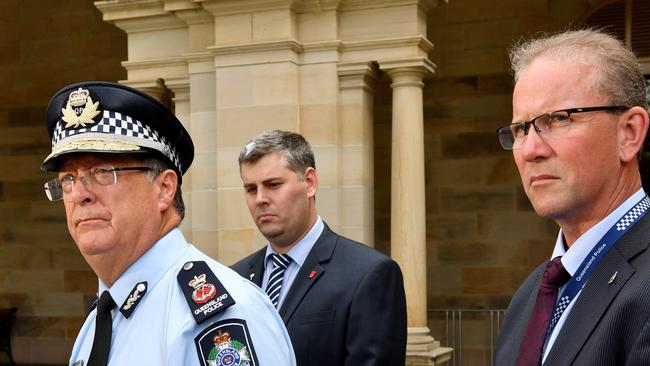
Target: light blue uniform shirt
[[161, 329], [298, 255], [573, 258]]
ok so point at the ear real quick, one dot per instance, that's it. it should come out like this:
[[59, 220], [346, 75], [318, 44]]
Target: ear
[[632, 132], [167, 183], [311, 179]]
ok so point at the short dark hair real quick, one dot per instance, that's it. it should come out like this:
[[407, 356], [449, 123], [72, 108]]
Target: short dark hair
[[292, 146]]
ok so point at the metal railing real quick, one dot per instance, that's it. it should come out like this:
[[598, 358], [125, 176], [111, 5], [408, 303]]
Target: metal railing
[[472, 333]]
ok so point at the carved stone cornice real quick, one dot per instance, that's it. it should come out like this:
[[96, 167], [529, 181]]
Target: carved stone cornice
[[419, 42], [161, 67], [179, 5], [357, 75], [117, 9], [308, 6], [257, 53], [138, 15], [292, 45], [416, 64], [348, 5], [154, 63], [228, 7]]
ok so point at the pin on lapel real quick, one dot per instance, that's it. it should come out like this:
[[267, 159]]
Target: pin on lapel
[[613, 278], [312, 274], [250, 277]]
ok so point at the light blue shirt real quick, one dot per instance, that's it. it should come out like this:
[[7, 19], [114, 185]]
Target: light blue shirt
[[298, 255], [573, 258], [161, 329]]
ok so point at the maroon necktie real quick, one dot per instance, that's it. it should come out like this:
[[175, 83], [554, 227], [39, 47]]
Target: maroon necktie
[[530, 352]]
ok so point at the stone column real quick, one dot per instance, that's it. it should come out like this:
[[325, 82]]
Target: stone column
[[202, 197], [356, 95], [408, 219]]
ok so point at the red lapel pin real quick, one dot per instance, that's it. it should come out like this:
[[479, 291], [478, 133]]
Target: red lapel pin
[[312, 274]]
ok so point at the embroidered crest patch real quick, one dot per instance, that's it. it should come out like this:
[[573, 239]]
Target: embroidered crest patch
[[204, 293], [226, 343]]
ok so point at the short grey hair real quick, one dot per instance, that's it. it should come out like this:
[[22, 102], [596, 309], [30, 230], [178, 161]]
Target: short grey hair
[[620, 77], [156, 167], [292, 146]]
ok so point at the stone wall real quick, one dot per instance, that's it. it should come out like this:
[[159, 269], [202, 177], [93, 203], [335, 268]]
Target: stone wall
[[482, 235], [44, 46]]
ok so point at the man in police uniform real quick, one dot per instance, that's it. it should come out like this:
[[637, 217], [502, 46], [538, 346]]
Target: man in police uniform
[[120, 155]]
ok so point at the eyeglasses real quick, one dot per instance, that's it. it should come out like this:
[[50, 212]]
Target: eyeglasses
[[104, 176], [550, 125]]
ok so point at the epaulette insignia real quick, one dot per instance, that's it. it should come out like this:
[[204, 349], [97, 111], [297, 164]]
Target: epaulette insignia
[[134, 299], [226, 342], [204, 293]]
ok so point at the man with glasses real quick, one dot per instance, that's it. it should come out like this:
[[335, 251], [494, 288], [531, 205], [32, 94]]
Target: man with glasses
[[579, 123], [119, 156]]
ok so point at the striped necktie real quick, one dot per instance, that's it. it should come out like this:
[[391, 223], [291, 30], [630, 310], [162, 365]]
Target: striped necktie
[[280, 264]]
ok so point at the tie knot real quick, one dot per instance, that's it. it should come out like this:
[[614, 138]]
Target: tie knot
[[281, 260], [105, 303], [555, 275]]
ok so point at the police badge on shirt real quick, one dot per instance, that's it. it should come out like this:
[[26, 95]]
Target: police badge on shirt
[[226, 343]]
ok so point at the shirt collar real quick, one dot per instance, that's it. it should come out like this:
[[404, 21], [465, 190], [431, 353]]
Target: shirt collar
[[150, 267], [300, 251], [573, 258]]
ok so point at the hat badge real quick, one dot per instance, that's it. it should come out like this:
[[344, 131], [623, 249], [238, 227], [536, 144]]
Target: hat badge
[[80, 109]]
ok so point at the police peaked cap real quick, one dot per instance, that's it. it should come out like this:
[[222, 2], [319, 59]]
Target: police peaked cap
[[103, 117]]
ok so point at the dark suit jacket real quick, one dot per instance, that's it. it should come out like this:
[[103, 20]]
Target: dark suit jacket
[[609, 323], [353, 310]]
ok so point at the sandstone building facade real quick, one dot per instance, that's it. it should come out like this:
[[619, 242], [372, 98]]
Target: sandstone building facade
[[399, 98]]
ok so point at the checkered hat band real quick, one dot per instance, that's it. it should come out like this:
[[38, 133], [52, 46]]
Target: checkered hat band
[[115, 126]]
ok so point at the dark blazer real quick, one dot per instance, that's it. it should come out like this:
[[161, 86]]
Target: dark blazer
[[351, 312], [609, 323]]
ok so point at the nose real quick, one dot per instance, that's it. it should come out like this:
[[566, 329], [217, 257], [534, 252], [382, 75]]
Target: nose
[[80, 192], [261, 197], [534, 147]]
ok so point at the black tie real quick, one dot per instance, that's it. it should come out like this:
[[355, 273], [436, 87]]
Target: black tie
[[103, 331]]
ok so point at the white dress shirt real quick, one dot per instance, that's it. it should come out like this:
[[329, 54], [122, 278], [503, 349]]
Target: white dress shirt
[[298, 255]]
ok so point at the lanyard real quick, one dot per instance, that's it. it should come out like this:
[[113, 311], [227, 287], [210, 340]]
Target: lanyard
[[579, 279]]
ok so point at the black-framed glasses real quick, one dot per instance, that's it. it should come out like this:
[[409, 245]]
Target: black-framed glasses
[[549, 125], [105, 176]]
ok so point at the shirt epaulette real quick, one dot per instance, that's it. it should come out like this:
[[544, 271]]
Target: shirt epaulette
[[205, 294]]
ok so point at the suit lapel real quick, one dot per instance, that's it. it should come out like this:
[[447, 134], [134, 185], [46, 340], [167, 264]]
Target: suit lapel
[[311, 271], [256, 267], [598, 294], [520, 329], [592, 302]]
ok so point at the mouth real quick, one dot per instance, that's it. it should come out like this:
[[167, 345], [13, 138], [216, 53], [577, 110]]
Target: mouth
[[263, 217], [541, 179], [88, 221]]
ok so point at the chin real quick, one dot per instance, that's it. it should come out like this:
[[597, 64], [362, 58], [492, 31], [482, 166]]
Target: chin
[[90, 245]]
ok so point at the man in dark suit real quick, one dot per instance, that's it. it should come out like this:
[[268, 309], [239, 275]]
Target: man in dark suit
[[343, 303], [579, 123]]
